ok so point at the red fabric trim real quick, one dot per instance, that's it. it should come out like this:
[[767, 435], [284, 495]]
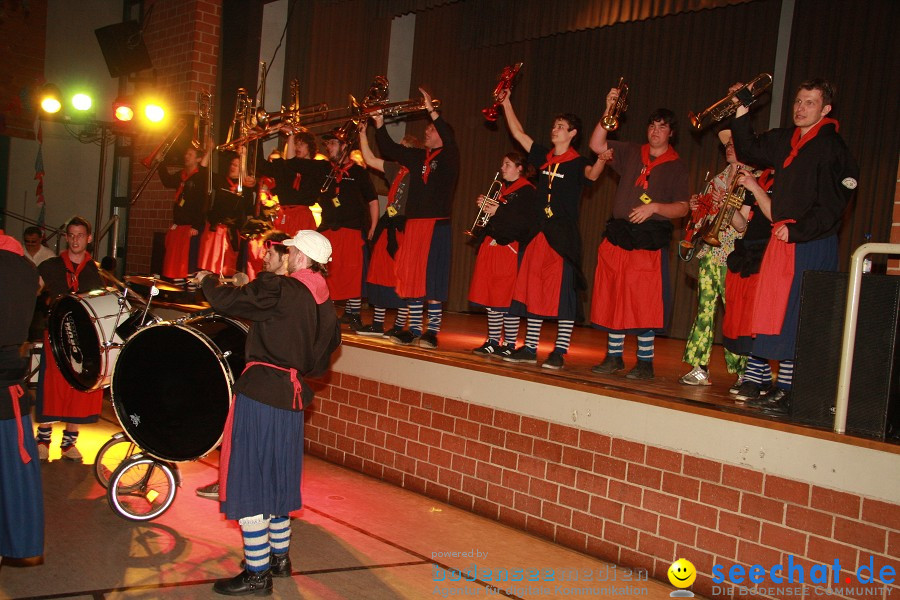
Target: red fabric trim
[[294, 217], [345, 271], [540, 278], [16, 392], [178, 247], [651, 163], [777, 273], [395, 185], [510, 188], [72, 271], [566, 156], [411, 260], [61, 399], [740, 296], [382, 266], [627, 288], [797, 142], [494, 276], [430, 155], [225, 452]]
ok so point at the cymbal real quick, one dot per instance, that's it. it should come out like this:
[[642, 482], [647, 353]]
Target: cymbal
[[146, 281]]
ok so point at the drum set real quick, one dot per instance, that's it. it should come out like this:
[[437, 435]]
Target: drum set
[[171, 388]]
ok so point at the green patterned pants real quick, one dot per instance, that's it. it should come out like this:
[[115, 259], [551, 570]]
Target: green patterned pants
[[711, 284]]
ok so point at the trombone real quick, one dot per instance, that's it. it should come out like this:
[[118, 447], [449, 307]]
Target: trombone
[[727, 106], [491, 198]]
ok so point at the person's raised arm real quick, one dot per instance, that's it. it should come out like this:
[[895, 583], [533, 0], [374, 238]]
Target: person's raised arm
[[368, 156], [514, 126], [598, 137]]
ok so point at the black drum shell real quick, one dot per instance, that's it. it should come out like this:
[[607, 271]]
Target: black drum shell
[[172, 386]]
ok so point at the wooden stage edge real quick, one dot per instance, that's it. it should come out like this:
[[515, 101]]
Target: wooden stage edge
[[463, 331]]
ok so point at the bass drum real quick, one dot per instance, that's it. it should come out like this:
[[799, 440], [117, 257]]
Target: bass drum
[[172, 385], [85, 338]]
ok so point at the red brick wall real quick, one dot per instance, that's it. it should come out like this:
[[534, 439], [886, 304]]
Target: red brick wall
[[23, 32], [633, 504], [183, 40]]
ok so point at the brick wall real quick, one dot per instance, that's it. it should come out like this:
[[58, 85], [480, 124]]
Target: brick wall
[[183, 40], [630, 503], [23, 30]]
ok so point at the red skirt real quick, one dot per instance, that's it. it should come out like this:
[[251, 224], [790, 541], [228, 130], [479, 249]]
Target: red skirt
[[777, 270], [740, 295], [494, 276], [255, 252], [345, 271], [291, 219], [628, 289], [382, 267], [412, 258], [178, 247], [59, 400], [216, 254], [539, 279]]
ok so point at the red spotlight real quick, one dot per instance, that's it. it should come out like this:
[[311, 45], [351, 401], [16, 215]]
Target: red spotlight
[[123, 109]]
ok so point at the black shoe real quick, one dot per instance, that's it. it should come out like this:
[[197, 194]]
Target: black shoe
[[522, 355], [610, 364], [392, 332], [404, 338], [371, 330], [279, 565], [749, 392], [777, 402], [245, 584], [489, 348], [209, 491], [505, 351], [355, 323], [642, 370], [555, 361], [428, 340], [345, 318]]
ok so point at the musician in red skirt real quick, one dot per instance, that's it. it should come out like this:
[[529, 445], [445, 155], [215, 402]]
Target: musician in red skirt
[[513, 220], [188, 214]]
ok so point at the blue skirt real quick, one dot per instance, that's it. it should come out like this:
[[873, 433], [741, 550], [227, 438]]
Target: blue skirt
[[266, 460], [21, 494], [437, 274]]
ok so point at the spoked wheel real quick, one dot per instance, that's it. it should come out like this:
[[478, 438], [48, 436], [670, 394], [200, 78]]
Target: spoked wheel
[[142, 488], [113, 453]]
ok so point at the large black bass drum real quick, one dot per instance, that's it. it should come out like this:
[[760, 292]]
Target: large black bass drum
[[171, 388]]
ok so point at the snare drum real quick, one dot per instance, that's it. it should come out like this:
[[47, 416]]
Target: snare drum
[[172, 385], [84, 336]]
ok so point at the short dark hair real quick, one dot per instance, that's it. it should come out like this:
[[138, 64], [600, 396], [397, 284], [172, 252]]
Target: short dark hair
[[308, 139], [574, 122], [79, 222], [827, 88], [277, 238], [665, 115], [33, 230]]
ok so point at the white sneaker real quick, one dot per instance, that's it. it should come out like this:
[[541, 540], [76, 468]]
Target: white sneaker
[[71, 453], [696, 376], [43, 452]]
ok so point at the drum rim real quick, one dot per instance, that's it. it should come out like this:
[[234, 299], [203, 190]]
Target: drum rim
[[223, 365]]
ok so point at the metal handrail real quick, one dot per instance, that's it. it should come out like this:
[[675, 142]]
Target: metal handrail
[[850, 319]]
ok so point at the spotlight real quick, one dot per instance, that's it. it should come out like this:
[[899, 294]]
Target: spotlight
[[123, 109], [154, 112], [81, 102], [49, 98]]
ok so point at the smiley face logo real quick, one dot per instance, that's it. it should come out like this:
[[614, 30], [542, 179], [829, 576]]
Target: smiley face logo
[[682, 573]]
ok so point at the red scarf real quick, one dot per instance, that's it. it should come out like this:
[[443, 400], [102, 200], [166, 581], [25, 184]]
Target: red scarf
[[72, 271], [340, 173], [649, 164], [296, 184], [430, 155], [553, 159], [511, 188], [765, 180], [395, 185], [16, 392], [798, 141], [232, 185], [185, 175]]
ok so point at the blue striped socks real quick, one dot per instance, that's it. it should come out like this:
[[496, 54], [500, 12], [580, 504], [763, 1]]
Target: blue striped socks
[[255, 531]]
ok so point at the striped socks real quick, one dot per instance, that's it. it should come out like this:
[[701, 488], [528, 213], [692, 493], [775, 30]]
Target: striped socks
[[43, 434], [353, 306], [69, 438], [615, 344], [510, 330], [435, 316], [280, 535], [533, 333], [645, 345], [495, 325], [378, 314], [415, 317], [563, 336], [785, 374], [255, 531]]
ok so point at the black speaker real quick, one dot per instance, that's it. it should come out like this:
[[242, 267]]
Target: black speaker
[[158, 252], [123, 48], [874, 409]]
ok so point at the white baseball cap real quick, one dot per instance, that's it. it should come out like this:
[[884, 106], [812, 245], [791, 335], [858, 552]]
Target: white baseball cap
[[311, 243]]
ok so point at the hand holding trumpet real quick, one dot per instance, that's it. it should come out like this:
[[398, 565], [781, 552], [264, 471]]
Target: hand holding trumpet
[[487, 205]]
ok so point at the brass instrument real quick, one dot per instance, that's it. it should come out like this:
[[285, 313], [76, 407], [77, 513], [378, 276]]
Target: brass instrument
[[239, 131], [504, 83], [153, 160], [203, 131], [733, 200], [491, 198], [375, 101], [726, 107], [610, 120]]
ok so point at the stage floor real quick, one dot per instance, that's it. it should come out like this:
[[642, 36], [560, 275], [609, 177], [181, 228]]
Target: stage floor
[[461, 332]]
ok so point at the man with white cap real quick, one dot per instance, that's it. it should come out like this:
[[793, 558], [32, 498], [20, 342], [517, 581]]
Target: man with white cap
[[293, 332]]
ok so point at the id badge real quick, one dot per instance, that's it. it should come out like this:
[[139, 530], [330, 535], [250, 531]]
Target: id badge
[[336, 202], [548, 211], [391, 211], [645, 198]]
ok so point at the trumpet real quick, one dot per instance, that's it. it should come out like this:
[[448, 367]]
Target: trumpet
[[610, 120], [491, 198], [504, 84], [732, 201], [726, 107]]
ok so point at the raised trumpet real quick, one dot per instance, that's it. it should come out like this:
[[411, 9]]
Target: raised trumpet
[[491, 198], [726, 107], [610, 120], [504, 83]]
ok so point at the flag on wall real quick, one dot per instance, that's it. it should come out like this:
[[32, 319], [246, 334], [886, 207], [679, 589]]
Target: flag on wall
[[39, 176]]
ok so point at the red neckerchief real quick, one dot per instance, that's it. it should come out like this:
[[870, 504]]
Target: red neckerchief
[[765, 180], [232, 185], [16, 392], [429, 156], [798, 142], [512, 187], [72, 271], [553, 159], [340, 173], [395, 185], [185, 175], [296, 184], [668, 156]]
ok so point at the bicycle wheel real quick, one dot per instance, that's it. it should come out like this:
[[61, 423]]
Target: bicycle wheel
[[113, 453], [142, 488]]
